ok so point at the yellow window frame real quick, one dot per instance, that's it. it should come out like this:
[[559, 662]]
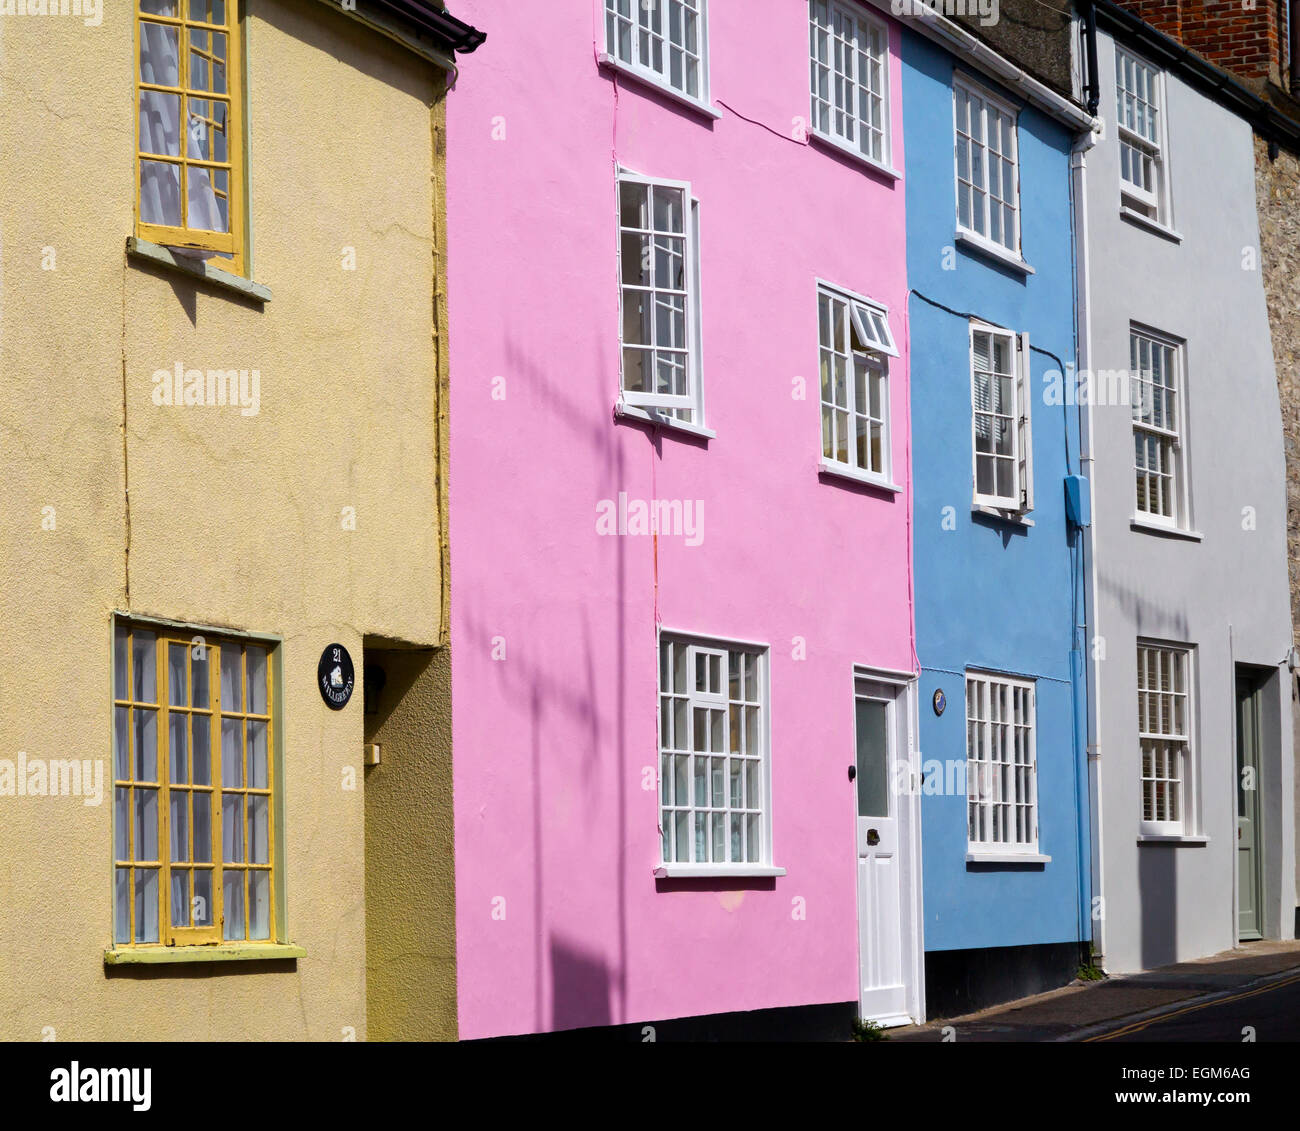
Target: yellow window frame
[[215, 712], [230, 245]]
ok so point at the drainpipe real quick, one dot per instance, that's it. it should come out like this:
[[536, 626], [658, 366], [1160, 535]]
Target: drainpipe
[[1083, 351], [1093, 88]]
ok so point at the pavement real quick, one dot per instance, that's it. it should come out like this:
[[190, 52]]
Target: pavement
[[1249, 992]]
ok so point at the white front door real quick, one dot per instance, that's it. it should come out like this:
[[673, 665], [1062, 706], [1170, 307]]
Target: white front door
[[886, 959]]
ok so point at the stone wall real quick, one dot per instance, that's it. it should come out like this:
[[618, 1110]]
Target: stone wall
[[1277, 192]]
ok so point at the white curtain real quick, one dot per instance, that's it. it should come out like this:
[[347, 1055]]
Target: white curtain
[[160, 182]]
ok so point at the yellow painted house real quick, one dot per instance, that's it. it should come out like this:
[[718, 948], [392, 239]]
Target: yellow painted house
[[223, 442]]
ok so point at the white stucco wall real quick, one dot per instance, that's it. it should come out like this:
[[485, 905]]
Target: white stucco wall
[[1225, 594]]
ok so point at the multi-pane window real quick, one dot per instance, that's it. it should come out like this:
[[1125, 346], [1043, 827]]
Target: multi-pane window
[[1164, 733], [855, 347], [662, 39], [188, 97], [1155, 393], [658, 269], [1001, 764], [1000, 416], [988, 175], [1141, 154], [193, 766], [850, 77], [713, 752]]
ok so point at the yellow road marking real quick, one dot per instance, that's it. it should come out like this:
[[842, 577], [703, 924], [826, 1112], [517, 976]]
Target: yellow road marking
[[1137, 1026]]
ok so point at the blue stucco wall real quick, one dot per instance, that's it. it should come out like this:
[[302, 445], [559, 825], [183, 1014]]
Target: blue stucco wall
[[990, 594]]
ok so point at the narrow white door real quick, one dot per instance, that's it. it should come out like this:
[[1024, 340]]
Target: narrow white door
[[880, 711]]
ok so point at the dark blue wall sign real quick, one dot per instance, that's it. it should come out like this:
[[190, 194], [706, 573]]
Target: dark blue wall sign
[[335, 677]]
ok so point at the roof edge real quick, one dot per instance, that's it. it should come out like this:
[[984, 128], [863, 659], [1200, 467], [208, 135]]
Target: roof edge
[[935, 26], [421, 26], [1214, 82]]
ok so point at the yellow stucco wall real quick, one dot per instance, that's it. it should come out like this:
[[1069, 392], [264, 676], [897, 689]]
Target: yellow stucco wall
[[232, 520], [410, 840]]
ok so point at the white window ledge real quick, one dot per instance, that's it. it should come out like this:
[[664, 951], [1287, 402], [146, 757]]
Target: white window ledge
[[995, 251], [196, 268], [843, 471], [1135, 217], [1188, 841], [1016, 518], [1007, 858], [829, 141], [650, 79], [1139, 523], [715, 871], [651, 416]]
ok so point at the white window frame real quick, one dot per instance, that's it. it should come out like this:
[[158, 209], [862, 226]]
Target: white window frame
[[986, 791], [869, 322], [629, 13], [961, 84], [1021, 499], [1171, 442], [687, 408], [1153, 203], [1177, 764], [678, 755], [846, 127]]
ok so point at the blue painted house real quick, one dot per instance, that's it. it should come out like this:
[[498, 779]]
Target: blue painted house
[[998, 554]]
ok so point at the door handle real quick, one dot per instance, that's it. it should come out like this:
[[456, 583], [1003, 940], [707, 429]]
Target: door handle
[[853, 772], [873, 837]]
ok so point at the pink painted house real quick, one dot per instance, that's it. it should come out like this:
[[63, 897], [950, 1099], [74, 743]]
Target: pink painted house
[[679, 499]]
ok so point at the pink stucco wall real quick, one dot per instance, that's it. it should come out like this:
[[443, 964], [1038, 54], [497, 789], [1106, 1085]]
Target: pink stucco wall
[[560, 922]]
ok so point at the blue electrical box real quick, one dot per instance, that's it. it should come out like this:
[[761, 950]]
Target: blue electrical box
[[1078, 500]]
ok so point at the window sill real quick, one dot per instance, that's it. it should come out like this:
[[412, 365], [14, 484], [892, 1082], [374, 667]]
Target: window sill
[[986, 247], [1147, 527], [1186, 841], [827, 141], [650, 416], [196, 269], [1007, 858], [715, 871], [655, 83], [1016, 518], [1133, 216], [226, 952], [841, 471]]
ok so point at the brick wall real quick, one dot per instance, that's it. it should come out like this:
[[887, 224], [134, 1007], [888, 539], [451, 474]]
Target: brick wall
[[1248, 41]]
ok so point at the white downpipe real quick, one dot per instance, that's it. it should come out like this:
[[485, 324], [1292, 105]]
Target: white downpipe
[[1079, 177]]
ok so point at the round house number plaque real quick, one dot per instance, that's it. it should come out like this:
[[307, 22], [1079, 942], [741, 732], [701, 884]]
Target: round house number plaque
[[335, 677]]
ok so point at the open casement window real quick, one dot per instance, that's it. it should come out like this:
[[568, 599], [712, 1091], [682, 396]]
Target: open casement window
[[988, 167], [1001, 764], [1165, 737], [659, 293], [1001, 419], [1155, 389], [663, 40], [855, 347], [850, 77], [193, 766], [1139, 96], [713, 752], [189, 147]]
